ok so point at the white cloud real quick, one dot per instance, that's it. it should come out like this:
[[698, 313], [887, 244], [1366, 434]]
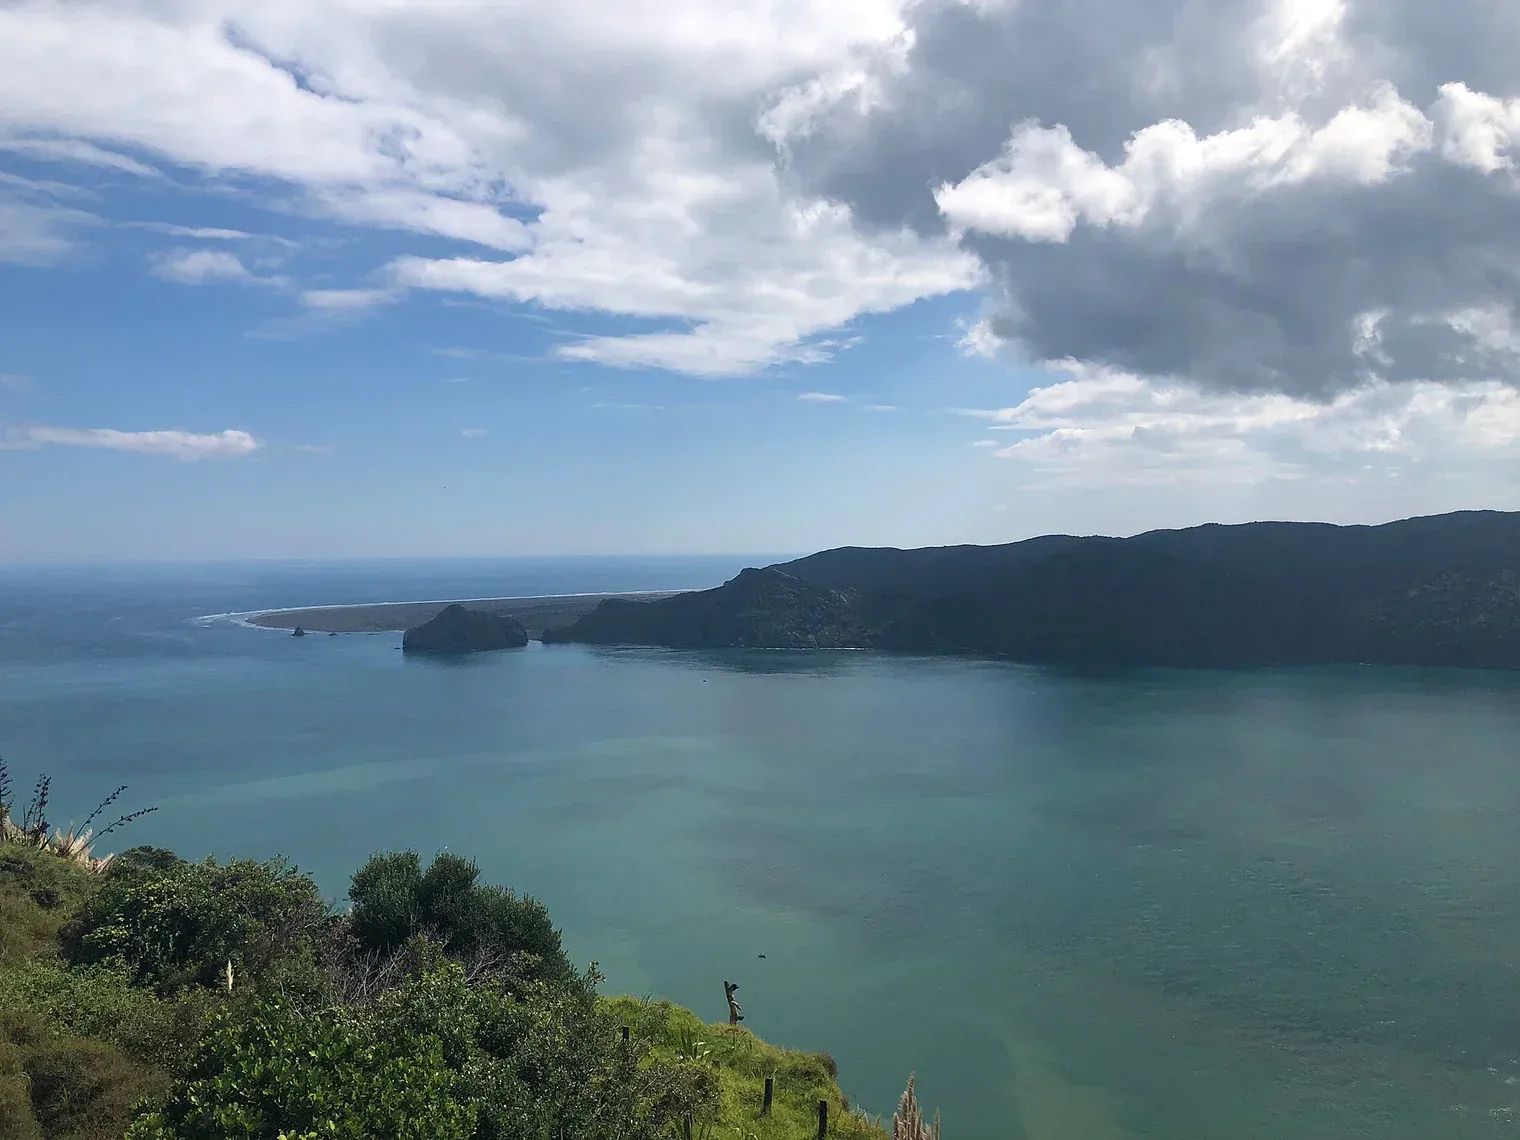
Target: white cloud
[[201, 266], [808, 271], [402, 209], [77, 152], [1043, 185], [182, 445], [203, 233], [14, 381], [823, 397], [880, 407], [619, 155], [1101, 427], [473, 433], [1480, 130], [979, 338]]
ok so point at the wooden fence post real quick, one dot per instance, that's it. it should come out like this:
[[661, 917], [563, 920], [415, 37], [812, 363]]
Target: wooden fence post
[[770, 1088], [625, 1035], [823, 1119]]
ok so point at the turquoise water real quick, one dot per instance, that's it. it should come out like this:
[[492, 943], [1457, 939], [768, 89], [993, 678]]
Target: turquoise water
[[1164, 905]]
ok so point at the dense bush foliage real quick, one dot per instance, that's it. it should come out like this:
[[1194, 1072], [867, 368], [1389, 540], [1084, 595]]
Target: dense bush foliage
[[394, 900], [58, 1086], [172, 924], [269, 1071], [101, 1003], [543, 1063]]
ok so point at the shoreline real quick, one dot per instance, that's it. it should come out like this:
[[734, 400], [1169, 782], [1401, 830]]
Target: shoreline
[[536, 612]]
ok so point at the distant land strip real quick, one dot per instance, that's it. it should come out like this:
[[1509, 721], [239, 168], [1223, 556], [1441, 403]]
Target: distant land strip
[[536, 614]]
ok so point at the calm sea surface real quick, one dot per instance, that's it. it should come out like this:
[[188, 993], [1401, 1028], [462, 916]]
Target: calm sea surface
[[1276, 905]]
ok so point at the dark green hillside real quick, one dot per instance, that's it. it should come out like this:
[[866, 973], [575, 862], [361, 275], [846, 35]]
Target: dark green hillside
[[1425, 591]]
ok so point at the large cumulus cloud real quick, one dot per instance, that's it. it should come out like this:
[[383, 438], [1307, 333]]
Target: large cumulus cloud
[[1298, 196]]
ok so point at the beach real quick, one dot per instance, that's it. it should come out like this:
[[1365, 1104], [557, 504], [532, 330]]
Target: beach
[[537, 614]]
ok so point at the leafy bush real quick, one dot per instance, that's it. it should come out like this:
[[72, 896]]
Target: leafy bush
[[100, 1002], [175, 924], [543, 1062], [61, 1087], [395, 899], [269, 1071]]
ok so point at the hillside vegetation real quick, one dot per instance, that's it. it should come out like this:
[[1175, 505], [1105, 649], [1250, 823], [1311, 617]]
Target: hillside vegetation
[[147, 997], [1443, 590]]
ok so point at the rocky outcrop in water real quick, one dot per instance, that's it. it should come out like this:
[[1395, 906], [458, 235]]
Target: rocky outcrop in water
[[459, 630]]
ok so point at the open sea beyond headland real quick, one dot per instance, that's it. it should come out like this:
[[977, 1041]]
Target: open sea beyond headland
[[1236, 906]]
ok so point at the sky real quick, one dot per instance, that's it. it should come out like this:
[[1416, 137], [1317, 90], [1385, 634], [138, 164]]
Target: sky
[[381, 278]]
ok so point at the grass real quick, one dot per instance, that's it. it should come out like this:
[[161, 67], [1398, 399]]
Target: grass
[[742, 1061]]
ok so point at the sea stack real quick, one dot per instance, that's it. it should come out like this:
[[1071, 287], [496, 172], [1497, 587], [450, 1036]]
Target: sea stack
[[298, 632], [458, 630]]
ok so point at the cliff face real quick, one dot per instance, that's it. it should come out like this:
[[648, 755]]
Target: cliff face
[[458, 630], [1443, 590], [758, 609]]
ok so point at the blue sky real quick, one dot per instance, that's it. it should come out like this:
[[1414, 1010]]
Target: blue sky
[[446, 424], [304, 281]]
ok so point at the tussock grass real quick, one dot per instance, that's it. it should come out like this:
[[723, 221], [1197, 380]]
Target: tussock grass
[[76, 845], [742, 1061]]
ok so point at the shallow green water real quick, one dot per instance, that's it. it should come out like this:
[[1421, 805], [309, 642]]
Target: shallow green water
[[1171, 906]]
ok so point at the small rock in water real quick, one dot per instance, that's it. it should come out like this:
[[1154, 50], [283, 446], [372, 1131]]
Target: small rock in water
[[299, 632], [762, 955]]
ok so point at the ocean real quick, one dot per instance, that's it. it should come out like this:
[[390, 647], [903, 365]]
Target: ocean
[[1281, 905]]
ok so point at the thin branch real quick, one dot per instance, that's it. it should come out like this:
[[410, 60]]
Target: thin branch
[[105, 803], [125, 820]]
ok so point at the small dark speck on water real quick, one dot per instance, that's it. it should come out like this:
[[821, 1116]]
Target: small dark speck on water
[[762, 955]]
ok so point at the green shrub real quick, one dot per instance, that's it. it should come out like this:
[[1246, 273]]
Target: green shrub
[[266, 1071], [176, 924], [100, 1002], [395, 899], [542, 1062], [60, 1087], [39, 892]]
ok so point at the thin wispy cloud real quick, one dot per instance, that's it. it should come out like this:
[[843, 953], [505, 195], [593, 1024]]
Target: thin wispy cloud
[[204, 233], [76, 151], [182, 445], [823, 398], [39, 233], [346, 300], [474, 433]]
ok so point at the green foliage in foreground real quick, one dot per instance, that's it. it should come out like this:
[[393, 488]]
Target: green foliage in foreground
[[174, 924], [271, 1071], [440, 1009], [58, 1086], [395, 900], [740, 1062]]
